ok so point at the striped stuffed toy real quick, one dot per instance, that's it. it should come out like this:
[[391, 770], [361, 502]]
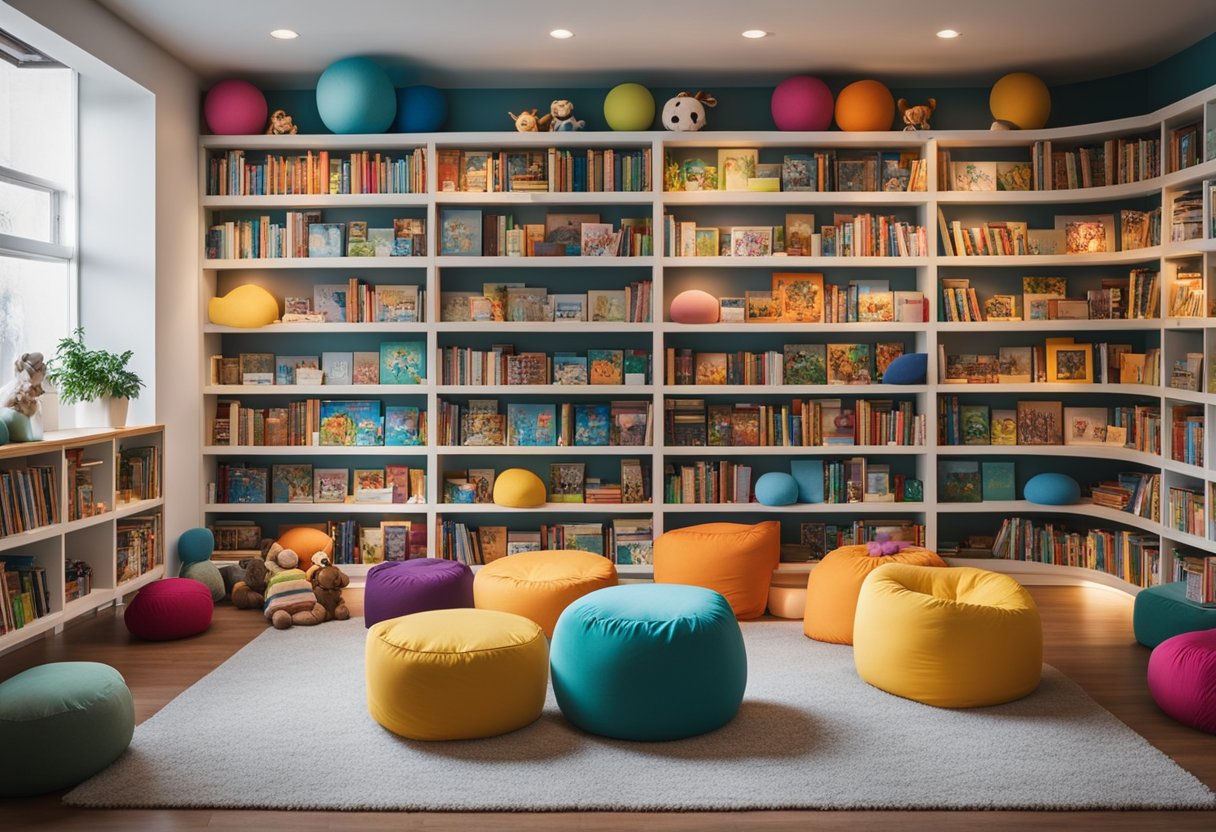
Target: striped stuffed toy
[[290, 600]]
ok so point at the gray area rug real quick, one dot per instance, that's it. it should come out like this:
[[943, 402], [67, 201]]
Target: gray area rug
[[810, 735]]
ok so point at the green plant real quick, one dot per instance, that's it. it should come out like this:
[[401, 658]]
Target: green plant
[[84, 375]]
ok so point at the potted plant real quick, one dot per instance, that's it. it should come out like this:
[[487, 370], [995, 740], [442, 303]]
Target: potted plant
[[97, 380]]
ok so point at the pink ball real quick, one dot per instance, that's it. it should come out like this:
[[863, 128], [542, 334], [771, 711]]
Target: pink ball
[[694, 307], [235, 108], [802, 102]]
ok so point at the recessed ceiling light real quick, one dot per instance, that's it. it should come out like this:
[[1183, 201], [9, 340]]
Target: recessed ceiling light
[[561, 34], [755, 33], [284, 34], [947, 34]]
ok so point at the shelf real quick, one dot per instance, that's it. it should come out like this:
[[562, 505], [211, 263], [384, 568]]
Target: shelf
[[1094, 325], [317, 390], [1082, 509], [312, 450], [563, 198], [315, 508], [88, 522], [483, 390], [453, 262], [579, 327], [314, 329], [1104, 193], [702, 199], [1080, 451], [742, 391], [294, 201], [1053, 388], [34, 628], [136, 583], [1185, 538], [794, 450], [545, 450], [1032, 573], [345, 263], [806, 329], [16, 541], [1034, 261], [782, 263], [796, 508], [550, 508]]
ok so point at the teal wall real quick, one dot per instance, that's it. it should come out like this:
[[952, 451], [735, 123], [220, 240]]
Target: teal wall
[[747, 108]]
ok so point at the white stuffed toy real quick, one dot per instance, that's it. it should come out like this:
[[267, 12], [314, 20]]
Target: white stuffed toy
[[562, 113], [686, 113]]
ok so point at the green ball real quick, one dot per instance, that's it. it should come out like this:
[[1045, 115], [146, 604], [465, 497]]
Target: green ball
[[207, 574], [629, 107]]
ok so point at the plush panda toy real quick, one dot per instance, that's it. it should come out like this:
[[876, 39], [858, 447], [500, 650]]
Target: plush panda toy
[[686, 113]]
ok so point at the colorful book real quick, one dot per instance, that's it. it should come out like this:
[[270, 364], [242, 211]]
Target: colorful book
[[401, 425], [403, 362], [531, 424], [591, 424], [291, 483], [805, 364], [460, 232]]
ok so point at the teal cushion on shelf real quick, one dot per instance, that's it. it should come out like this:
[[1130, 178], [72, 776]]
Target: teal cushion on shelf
[[776, 488], [808, 474], [1162, 612], [195, 545], [60, 724], [907, 369], [1052, 489]]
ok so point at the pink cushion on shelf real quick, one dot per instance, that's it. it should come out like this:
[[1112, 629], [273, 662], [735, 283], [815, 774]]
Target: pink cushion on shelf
[[1182, 678], [168, 609], [694, 307]]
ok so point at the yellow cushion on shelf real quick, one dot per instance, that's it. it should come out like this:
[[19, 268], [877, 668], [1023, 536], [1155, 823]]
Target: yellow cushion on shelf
[[246, 306], [539, 585], [456, 674], [519, 488], [954, 638], [735, 559]]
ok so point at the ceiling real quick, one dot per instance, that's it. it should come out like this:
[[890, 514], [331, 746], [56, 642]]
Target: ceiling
[[505, 43]]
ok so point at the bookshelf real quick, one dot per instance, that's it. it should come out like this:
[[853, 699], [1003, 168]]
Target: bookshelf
[[97, 540], [926, 266]]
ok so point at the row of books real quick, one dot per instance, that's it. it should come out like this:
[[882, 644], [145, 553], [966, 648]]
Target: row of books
[[858, 364], [836, 481], [1045, 298], [1085, 234], [77, 579], [501, 365], [395, 362], [391, 540], [1199, 572], [479, 423], [232, 173], [553, 170], [319, 422], [82, 500], [1186, 511], [740, 169], [471, 232], [1136, 492], [24, 593], [1130, 556], [1187, 296], [1186, 216], [969, 481], [139, 474], [357, 302], [138, 545], [28, 498], [849, 235], [1036, 422], [813, 422], [1058, 361], [1186, 434], [515, 302], [300, 482], [1185, 149], [624, 541], [1117, 161]]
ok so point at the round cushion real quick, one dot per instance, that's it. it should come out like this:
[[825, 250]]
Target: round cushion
[[456, 674], [629, 107], [1182, 678], [734, 559], [649, 662], [60, 724], [402, 587], [247, 306], [834, 583], [786, 601], [4, 429], [235, 108], [420, 109], [776, 488], [1052, 489], [207, 574], [195, 545], [695, 307], [17, 427], [1163, 611], [1021, 99], [954, 638], [802, 102], [539, 585], [910, 368], [355, 95], [865, 105], [519, 488], [306, 542], [169, 608]]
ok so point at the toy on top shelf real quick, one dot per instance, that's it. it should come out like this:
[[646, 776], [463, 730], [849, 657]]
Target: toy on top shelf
[[528, 122], [686, 113], [561, 111], [281, 124], [916, 117], [20, 410]]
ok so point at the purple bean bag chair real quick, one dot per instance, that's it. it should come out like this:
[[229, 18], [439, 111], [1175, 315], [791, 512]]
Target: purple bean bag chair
[[400, 587], [1182, 678]]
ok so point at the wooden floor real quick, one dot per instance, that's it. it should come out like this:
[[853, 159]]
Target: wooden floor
[[1087, 635]]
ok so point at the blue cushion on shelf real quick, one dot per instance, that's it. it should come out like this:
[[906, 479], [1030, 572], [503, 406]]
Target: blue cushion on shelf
[[1052, 489], [808, 473], [907, 369], [777, 488], [195, 545]]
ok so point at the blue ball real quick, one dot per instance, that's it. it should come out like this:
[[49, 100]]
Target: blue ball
[[354, 95], [777, 488], [907, 369], [195, 545], [420, 109], [1052, 489]]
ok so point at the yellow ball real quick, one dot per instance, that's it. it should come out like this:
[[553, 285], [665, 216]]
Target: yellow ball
[[245, 306], [1021, 99], [629, 107], [865, 105]]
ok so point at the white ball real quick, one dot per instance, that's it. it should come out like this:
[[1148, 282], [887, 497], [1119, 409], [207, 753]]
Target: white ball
[[683, 114]]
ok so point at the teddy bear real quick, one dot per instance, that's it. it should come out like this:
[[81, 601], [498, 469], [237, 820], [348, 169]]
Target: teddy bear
[[21, 394], [289, 596], [916, 118], [561, 112], [250, 593], [328, 582], [528, 122], [281, 124], [686, 113]]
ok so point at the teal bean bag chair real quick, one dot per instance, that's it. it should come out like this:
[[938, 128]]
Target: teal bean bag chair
[[1162, 612]]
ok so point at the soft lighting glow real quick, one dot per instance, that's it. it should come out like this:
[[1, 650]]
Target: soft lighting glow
[[284, 34], [947, 34], [755, 33], [561, 34]]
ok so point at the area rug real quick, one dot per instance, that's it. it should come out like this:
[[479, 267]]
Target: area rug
[[283, 724]]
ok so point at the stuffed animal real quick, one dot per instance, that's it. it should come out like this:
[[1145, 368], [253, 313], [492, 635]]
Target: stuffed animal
[[281, 124], [561, 112], [21, 394], [916, 118], [885, 546], [251, 592], [289, 596], [686, 113], [527, 122], [328, 582]]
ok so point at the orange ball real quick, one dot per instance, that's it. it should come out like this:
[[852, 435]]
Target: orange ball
[[865, 105]]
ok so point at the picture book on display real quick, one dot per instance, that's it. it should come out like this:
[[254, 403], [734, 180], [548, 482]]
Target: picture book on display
[[460, 232], [350, 423], [591, 423], [329, 485], [292, 483], [403, 362], [401, 425], [531, 424], [566, 482]]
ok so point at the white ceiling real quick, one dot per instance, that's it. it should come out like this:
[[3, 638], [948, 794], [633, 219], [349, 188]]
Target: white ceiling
[[505, 43]]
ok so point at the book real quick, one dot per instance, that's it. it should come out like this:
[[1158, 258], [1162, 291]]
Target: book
[[286, 366], [325, 239], [460, 232], [401, 425], [974, 424], [1040, 422], [606, 366], [710, 368], [371, 544], [849, 363], [762, 307], [800, 296], [566, 482], [751, 241], [805, 364], [735, 167], [1087, 234], [960, 481], [397, 304], [599, 240], [633, 481], [1004, 426], [396, 539], [365, 368], [606, 305], [329, 485], [999, 482], [291, 483], [570, 369], [531, 424], [330, 301], [732, 310], [403, 362], [591, 424], [338, 367], [1085, 425]]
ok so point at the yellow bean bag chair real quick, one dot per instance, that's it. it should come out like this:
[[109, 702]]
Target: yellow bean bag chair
[[539, 585], [832, 587], [518, 488], [954, 638], [734, 559], [247, 306], [456, 674]]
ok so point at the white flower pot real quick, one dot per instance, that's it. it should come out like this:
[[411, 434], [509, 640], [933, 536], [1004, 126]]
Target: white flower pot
[[102, 413]]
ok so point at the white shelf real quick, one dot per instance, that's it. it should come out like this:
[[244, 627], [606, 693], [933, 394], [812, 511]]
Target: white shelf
[[312, 450], [562, 198], [701, 199], [1078, 451], [483, 390], [782, 263], [1034, 261], [478, 509], [344, 263], [295, 201], [317, 390], [1081, 509], [1059, 325], [741, 392], [796, 508], [780, 327], [794, 450], [453, 262], [579, 327], [544, 450], [316, 329], [315, 508]]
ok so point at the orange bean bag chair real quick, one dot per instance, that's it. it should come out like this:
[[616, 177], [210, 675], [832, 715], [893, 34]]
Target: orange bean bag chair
[[539, 585], [734, 559], [835, 582]]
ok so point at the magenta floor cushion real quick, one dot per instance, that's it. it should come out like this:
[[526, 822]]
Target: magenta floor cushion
[[402, 587], [1182, 678], [170, 608]]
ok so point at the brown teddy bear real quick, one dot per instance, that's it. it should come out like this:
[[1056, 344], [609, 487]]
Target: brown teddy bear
[[251, 592], [328, 582], [916, 118], [289, 596]]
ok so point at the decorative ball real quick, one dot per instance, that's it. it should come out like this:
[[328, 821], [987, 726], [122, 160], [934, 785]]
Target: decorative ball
[[694, 307], [235, 108], [865, 105], [420, 109], [207, 574], [246, 306], [195, 545], [1021, 99], [1052, 489], [306, 542], [629, 107], [776, 488], [354, 95], [910, 368], [802, 102], [518, 488]]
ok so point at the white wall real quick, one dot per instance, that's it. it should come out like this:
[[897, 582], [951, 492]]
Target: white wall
[[139, 219]]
